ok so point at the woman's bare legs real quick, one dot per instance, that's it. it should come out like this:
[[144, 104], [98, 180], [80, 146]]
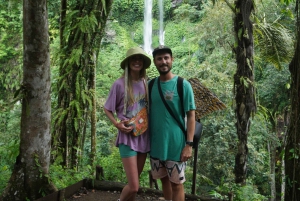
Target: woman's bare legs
[[133, 167]]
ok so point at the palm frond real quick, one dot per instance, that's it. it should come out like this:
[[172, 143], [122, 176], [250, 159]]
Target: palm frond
[[274, 42]]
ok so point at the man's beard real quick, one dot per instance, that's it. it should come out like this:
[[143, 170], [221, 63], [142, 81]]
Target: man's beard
[[164, 72]]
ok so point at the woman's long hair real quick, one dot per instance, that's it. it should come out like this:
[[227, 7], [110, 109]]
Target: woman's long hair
[[129, 96]]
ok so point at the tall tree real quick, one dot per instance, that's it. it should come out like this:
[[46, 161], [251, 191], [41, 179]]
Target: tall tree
[[243, 83], [93, 113], [83, 29], [292, 149], [274, 45], [29, 179]]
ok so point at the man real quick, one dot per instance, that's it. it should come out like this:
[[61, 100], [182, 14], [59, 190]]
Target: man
[[170, 149]]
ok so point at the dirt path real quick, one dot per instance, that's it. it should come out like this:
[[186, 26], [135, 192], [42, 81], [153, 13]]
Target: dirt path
[[96, 190], [97, 195]]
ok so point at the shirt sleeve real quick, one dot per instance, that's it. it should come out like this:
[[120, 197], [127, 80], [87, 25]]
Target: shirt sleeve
[[115, 99], [189, 101]]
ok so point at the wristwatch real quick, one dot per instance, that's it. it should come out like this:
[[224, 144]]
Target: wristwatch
[[189, 143]]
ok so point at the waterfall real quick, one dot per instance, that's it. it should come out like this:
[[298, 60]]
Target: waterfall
[[148, 26], [161, 22]]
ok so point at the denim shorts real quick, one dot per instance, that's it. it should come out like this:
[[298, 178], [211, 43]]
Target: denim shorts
[[126, 151]]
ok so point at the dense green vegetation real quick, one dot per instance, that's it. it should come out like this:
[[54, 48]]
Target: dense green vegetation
[[200, 35]]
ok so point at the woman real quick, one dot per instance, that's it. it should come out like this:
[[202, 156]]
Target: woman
[[128, 99]]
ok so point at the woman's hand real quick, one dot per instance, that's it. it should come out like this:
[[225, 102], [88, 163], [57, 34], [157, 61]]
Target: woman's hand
[[121, 126]]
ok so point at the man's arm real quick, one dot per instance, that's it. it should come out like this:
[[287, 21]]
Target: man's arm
[[190, 125], [187, 151]]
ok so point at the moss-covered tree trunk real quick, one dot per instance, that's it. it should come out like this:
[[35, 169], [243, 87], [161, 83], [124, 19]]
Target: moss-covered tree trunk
[[292, 149], [29, 179], [243, 84], [93, 115], [83, 31]]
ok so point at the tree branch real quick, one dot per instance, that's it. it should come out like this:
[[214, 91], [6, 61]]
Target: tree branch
[[230, 6]]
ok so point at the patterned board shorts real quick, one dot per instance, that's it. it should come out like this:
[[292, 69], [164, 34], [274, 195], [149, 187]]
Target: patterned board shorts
[[174, 170]]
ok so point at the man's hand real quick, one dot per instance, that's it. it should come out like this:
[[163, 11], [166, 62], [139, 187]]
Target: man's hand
[[186, 153]]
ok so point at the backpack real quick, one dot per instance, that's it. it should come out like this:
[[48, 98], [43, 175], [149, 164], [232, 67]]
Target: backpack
[[198, 125]]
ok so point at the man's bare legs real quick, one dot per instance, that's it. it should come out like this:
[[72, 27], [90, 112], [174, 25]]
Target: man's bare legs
[[172, 191], [166, 187], [178, 192]]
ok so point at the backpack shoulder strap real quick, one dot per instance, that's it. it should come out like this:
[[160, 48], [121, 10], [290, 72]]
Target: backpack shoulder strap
[[150, 85], [180, 93]]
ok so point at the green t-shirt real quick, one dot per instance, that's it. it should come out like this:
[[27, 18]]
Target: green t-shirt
[[167, 139]]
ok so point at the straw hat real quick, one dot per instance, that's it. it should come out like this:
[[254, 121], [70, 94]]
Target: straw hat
[[136, 51]]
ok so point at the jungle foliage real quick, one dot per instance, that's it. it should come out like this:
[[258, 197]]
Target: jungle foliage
[[200, 34]]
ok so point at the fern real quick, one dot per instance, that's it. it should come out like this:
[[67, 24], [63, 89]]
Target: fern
[[88, 23]]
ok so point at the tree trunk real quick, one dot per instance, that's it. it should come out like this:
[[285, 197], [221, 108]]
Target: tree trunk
[[75, 72], [292, 149], [30, 179], [283, 181], [60, 138], [93, 116], [272, 161], [62, 23], [243, 84]]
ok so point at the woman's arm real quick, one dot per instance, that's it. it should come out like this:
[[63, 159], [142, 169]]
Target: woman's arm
[[119, 125]]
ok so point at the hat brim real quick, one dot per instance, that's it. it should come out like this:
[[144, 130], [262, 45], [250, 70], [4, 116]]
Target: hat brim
[[160, 49], [146, 63]]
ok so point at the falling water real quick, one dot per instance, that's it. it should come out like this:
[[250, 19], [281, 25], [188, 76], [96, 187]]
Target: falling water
[[148, 26], [161, 22]]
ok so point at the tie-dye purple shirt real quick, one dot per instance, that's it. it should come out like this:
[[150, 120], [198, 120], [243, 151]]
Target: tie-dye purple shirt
[[115, 103]]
